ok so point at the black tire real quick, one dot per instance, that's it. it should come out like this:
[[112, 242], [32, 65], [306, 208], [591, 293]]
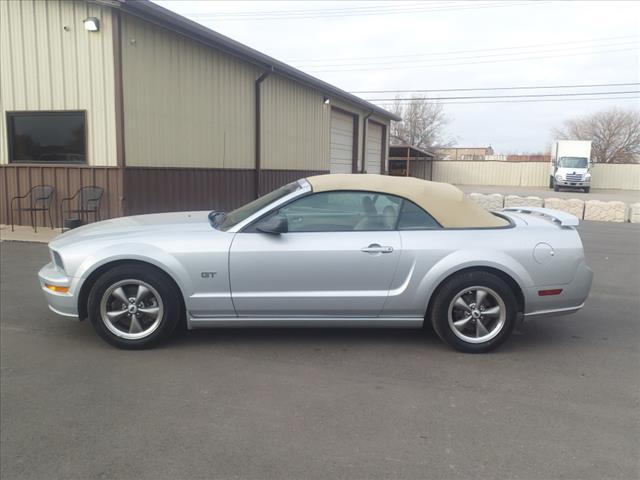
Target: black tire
[[169, 315], [556, 188], [551, 182], [587, 189], [450, 290]]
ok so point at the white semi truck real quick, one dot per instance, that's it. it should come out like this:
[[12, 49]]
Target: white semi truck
[[570, 164]]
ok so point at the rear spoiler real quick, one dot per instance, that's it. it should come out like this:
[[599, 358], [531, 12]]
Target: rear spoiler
[[564, 219]]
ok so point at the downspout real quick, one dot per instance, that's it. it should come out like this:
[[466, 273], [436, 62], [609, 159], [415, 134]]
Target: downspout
[[364, 139], [118, 84], [258, 127]]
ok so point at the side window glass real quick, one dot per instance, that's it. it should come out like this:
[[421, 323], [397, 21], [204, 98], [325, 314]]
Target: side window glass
[[413, 217], [389, 207], [342, 212]]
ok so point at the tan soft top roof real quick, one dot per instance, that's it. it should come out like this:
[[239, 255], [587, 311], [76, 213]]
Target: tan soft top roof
[[446, 203]]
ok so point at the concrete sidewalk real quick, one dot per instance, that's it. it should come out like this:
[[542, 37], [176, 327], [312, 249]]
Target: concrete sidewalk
[[27, 234]]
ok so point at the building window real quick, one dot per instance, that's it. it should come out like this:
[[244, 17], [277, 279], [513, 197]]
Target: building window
[[47, 137]]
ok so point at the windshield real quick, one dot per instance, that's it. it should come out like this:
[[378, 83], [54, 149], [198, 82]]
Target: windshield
[[572, 162], [229, 220]]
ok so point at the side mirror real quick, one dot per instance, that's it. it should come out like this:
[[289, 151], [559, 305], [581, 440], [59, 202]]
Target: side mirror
[[275, 225]]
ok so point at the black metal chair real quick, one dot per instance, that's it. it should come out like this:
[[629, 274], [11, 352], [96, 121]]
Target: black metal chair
[[40, 198], [87, 202]]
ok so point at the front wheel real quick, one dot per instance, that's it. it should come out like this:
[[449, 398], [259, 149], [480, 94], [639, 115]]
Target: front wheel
[[474, 312], [556, 188], [134, 306], [587, 189]]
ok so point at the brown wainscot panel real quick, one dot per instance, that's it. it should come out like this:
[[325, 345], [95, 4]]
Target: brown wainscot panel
[[139, 190], [153, 190], [17, 179]]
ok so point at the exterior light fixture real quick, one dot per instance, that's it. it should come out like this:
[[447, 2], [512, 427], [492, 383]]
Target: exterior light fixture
[[326, 100], [91, 24]]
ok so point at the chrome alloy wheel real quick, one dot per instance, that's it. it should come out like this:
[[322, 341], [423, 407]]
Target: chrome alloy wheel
[[131, 309], [477, 314]]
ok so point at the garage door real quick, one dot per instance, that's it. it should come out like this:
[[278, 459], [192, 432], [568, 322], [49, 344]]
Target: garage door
[[374, 148], [341, 142]]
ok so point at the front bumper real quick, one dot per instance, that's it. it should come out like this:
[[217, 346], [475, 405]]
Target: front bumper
[[65, 304], [569, 301], [579, 184]]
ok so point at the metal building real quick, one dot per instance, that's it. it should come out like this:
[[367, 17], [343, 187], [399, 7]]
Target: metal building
[[163, 113], [410, 161]]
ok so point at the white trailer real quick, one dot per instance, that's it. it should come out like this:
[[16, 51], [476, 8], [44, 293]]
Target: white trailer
[[570, 165]]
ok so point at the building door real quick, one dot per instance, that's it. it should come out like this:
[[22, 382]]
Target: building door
[[375, 146], [342, 135]]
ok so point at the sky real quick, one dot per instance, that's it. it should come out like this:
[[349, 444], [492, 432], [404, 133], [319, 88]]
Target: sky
[[444, 45]]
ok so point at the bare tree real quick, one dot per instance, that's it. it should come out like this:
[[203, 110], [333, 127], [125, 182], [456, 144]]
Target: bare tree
[[422, 124], [615, 134]]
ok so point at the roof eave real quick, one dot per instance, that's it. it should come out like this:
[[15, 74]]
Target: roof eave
[[417, 149]]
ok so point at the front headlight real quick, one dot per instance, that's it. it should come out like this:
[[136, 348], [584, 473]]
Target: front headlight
[[559, 177], [57, 260]]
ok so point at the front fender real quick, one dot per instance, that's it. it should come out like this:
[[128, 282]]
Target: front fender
[[136, 252]]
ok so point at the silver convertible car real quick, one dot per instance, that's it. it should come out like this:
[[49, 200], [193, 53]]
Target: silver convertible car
[[325, 251]]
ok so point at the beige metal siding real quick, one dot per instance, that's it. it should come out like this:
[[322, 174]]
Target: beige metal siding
[[618, 176], [374, 148], [185, 104], [295, 126], [530, 174], [45, 67], [492, 173], [341, 143]]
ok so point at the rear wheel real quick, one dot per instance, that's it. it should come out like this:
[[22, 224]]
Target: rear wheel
[[474, 312], [134, 306]]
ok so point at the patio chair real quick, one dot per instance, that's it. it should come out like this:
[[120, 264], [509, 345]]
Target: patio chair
[[39, 200], [87, 202]]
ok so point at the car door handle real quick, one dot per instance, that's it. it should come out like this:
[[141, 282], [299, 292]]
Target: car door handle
[[375, 248]]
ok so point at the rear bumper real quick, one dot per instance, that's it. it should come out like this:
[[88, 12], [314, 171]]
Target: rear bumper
[[65, 304], [572, 298]]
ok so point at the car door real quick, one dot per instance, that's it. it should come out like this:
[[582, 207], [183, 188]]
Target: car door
[[424, 244], [337, 259]]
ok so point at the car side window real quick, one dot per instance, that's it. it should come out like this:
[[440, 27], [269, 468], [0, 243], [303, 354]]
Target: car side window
[[412, 217], [342, 211]]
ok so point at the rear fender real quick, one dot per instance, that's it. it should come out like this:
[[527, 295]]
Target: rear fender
[[463, 259]]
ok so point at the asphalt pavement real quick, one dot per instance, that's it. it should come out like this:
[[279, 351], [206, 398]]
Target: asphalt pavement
[[561, 399]]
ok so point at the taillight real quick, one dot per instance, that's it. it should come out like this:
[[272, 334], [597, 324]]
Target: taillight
[[545, 293]]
